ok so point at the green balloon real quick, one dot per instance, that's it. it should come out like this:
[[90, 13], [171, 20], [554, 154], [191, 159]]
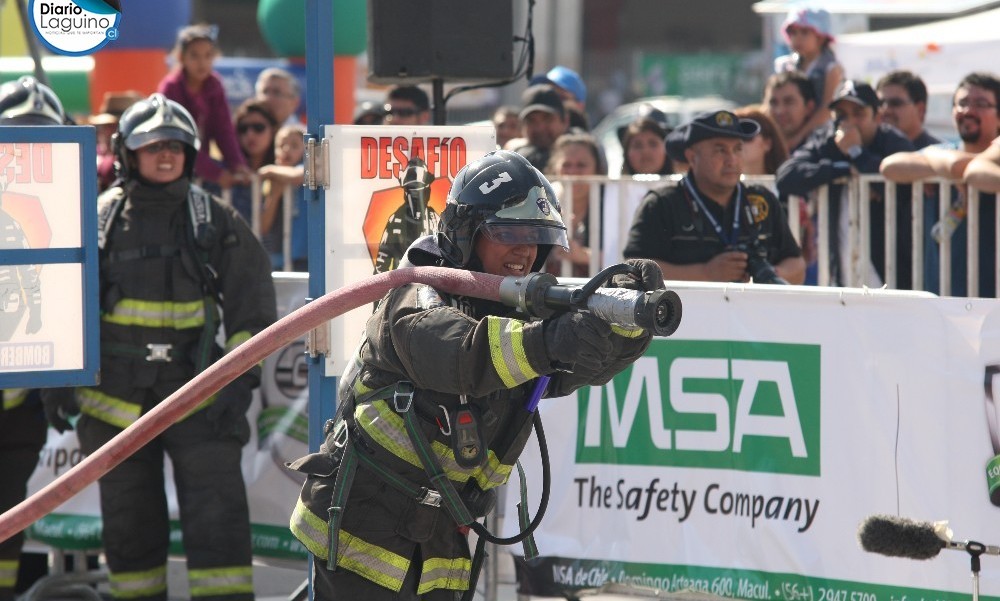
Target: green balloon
[[283, 23]]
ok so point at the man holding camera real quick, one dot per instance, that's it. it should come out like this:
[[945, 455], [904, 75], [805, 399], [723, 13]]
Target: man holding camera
[[712, 227]]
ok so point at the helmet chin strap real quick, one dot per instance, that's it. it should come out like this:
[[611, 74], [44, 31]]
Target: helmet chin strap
[[474, 264]]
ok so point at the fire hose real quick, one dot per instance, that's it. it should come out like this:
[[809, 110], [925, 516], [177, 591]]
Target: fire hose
[[665, 311]]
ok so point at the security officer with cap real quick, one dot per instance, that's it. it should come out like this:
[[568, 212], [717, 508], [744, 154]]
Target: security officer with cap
[[22, 423], [174, 262], [712, 227], [439, 386]]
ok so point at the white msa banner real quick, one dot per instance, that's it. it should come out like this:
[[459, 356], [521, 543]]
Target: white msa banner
[[740, 455]]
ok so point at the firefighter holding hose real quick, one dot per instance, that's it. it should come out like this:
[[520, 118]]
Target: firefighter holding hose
[[431, 416]]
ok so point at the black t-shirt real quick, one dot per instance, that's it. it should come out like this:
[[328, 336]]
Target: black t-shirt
[[669, 226]]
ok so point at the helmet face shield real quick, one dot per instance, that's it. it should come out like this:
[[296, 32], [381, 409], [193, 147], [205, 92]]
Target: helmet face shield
[[508, 233], [533, 220], [139, 139], [29, 119]]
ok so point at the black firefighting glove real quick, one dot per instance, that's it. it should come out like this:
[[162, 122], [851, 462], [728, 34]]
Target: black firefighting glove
[[577, 340], [59, 404], [228, 412], [34, 320], [645, 276]]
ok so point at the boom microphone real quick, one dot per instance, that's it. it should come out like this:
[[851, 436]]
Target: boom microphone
[[902, 537], [899, 537]]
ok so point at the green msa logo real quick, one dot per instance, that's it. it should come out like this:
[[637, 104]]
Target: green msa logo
[[749, 406]]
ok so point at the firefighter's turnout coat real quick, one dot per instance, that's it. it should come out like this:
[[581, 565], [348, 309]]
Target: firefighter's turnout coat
[[459, 356]]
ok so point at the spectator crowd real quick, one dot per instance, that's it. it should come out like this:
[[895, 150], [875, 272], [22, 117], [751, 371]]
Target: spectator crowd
[[816, 128]]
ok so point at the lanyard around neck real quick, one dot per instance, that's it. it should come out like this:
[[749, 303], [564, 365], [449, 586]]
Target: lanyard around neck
[[733, 238]]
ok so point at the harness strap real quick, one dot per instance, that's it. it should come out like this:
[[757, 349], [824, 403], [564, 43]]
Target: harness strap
[[452, 501], [149, 352], [477, 566], [420, 494], [341, 489], [145, 252], [524, 520]]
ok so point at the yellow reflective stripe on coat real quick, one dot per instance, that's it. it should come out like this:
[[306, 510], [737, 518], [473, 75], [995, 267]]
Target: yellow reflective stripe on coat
[[157, 314], [128, 585], [387, 429], [14, 397], [379, 565], [365, 559], [628, 332], [209, 582], [8, 573], [309, 529], [439, 572], [108, 409], [506, 338]]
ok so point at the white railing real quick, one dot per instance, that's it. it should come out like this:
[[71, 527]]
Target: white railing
[[256, 209], [622, 197]]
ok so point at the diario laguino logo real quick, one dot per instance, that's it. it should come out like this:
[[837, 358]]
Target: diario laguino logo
[[751, 406], [75, 27]]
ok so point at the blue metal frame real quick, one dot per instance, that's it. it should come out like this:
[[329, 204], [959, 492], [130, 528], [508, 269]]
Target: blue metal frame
[[319, 99], [86, 255]]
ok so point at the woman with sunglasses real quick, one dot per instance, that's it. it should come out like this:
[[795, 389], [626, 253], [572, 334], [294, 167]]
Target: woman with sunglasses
[[256, 127], [197, 88]]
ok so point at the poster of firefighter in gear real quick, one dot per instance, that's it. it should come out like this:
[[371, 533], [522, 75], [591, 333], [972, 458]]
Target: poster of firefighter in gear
[[388, 186], [415, 217], [40, 327]]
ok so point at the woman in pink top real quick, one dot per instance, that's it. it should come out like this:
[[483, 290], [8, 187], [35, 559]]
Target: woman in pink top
[[195, 86]]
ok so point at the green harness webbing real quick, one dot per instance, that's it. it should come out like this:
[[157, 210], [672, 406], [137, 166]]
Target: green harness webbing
[[446, 490], [341, 488]]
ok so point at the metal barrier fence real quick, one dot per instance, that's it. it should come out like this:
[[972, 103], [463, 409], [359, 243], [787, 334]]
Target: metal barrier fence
[[257, 200], [621, 197], [614, 200]]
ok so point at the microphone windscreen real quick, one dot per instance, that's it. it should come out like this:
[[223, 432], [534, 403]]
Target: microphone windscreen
[[899, 537]]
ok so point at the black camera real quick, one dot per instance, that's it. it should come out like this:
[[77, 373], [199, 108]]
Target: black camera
[[759, 268]]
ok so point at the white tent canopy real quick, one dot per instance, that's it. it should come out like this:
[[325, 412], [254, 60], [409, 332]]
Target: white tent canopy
[[941, 53]]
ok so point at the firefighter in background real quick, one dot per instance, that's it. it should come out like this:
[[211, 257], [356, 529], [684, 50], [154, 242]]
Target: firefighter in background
[[412, 220], [22, 423], [172, 257], [443, 379]]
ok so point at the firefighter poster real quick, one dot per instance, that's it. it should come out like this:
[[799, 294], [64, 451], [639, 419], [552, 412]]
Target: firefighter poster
[[388, 187], [47, 203]]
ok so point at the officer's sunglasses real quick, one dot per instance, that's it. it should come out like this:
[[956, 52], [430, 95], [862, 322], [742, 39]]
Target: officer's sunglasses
[[169, 145]]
